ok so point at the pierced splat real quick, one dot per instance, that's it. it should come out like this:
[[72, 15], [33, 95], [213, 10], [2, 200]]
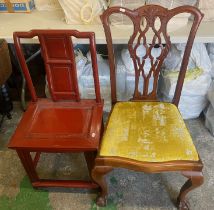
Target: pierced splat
[[152, 61], [147, 65]]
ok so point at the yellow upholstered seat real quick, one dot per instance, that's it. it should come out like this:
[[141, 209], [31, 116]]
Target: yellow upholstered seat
[[147, 131]]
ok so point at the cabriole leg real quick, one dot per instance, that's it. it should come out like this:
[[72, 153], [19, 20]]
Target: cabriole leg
[[195, 179], [98, 174]]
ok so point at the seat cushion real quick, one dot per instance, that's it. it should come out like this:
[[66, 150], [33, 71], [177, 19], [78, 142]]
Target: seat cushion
[[147, 131]]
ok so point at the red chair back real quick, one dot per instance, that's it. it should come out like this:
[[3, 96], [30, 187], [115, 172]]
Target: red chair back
[[58, 53]]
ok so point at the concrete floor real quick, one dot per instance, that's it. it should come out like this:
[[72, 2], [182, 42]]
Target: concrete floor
[[128, 190]]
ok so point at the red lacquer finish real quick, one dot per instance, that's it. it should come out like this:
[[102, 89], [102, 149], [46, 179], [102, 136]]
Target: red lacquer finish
[[64, 123]]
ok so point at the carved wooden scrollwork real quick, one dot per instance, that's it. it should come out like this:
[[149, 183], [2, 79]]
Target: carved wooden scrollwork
[[150, 17], [155, 20]]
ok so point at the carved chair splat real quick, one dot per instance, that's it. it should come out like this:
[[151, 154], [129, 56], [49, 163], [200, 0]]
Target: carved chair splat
[[145, 134]]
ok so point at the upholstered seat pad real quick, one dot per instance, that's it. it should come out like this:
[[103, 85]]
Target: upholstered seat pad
[[147, 131]]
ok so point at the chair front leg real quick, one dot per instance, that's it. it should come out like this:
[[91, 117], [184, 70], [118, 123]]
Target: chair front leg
[[28, 165], [98, 174], [195, 179]]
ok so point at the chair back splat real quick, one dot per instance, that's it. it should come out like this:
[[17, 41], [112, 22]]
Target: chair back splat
[[154, 18], [59, 59]]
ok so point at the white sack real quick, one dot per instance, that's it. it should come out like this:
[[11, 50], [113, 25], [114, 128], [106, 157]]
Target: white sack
[[81, 61], [103, 67], [86, 80], [189, 106], [198, 58], [196, 87], [193, 97]]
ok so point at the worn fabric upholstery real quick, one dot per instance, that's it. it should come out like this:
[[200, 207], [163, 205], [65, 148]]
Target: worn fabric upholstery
[[147, 131]]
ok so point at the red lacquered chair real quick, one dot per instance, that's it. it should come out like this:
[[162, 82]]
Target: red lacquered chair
[[145, 134], [64, 123]]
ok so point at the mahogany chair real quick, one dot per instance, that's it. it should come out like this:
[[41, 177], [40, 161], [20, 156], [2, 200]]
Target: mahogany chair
[[64, 123], [145, 134]]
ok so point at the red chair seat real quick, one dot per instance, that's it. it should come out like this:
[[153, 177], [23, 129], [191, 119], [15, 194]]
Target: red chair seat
[[48, 125]]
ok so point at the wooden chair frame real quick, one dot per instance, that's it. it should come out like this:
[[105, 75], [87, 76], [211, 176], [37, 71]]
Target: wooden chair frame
[[69, 98], [104, 164]]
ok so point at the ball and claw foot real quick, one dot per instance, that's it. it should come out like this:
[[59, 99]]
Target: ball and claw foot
[[183, 205], [101, 201]]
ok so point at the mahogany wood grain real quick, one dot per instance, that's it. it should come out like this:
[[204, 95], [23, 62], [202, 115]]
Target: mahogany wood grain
[[149, 13], [98, 174], [65, 122], [195, 179]]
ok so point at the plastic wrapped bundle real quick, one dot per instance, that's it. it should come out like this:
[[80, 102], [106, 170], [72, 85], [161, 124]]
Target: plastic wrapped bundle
[[198, 58], [193, 97], [86, 81], [197, 81], [81, 61]]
